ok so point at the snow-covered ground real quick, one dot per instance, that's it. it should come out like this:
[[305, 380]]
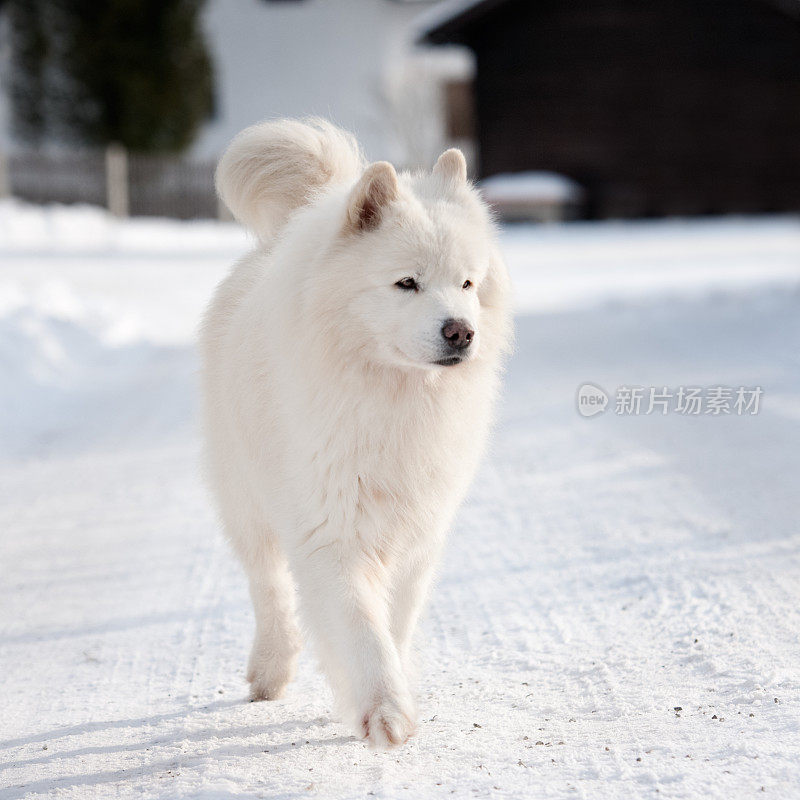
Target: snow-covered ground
[[618, 614]]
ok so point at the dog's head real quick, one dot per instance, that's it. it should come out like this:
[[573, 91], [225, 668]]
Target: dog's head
[[425, 283]]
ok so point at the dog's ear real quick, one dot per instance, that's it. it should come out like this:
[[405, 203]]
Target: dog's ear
[[451, 166], [371, 195]]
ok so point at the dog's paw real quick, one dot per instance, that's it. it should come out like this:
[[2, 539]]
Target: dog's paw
[[266, 688], [268, 677], [389, 722]]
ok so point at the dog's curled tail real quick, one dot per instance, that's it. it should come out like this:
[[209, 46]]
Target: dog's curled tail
[[271, 169]]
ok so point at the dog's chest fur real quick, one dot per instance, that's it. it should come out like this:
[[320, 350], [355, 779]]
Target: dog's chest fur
[[377, 461]]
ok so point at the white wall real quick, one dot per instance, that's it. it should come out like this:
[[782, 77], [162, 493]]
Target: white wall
[[331, 58]]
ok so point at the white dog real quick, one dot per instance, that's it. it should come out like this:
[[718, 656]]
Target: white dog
[[350, 365]]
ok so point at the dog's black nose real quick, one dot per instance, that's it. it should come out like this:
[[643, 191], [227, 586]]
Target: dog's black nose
[[457, 334]]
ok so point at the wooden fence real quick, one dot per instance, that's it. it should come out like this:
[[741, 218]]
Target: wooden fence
[[125, 183]]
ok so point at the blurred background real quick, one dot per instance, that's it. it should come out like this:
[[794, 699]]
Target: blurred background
[[585, 109], [624, 586]]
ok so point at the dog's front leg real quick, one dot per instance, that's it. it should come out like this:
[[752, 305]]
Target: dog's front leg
[[343, 593], [411, 588]]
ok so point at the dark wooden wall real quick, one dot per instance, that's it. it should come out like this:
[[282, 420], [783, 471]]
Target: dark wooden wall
[[655, 106]]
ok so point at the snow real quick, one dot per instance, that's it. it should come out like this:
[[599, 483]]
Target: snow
[[602, 573], [442, 12], [530, 187]]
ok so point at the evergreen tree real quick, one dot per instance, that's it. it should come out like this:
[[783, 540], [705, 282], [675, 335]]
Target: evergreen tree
[[99, 71], [28, 57]]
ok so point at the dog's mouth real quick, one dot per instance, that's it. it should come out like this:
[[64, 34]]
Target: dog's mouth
[[449, 361]]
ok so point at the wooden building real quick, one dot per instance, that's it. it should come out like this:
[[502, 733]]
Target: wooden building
[[655, 107]]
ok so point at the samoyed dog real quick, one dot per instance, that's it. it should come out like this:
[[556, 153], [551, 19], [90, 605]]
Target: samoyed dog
[[350, 366]]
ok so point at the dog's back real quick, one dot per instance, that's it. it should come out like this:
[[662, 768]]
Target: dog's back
[[268, 172]]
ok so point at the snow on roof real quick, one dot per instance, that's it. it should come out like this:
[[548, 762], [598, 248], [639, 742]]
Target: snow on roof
[[448, 13], [443, 13], [530, 187]]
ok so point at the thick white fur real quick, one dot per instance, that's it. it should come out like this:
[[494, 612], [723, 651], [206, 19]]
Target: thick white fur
[[272, 168], [337, 450]]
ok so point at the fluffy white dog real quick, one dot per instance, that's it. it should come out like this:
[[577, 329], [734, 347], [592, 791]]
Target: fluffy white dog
[[350, 365]]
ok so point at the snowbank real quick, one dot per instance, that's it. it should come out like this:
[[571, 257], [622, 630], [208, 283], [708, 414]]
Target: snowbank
[[30, 229], [73, 375]]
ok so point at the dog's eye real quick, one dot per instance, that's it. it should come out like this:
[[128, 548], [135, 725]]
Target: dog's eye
[[467, 285], [409, 284]]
